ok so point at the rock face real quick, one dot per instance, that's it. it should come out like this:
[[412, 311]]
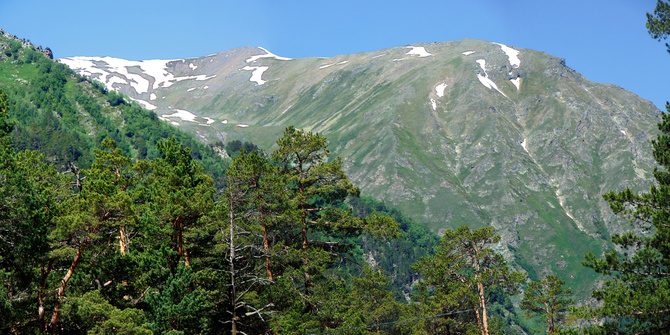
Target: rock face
[[467, 132], [26, 44], [47, 52]]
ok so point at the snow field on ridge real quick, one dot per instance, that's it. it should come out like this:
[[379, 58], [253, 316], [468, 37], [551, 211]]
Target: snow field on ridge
[[157, 69]]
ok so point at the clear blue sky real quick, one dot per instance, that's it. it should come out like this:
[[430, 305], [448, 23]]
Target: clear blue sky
[[605, 40]]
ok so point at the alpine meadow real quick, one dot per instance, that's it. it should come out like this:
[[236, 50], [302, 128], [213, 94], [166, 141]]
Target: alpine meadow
[[463, 187]]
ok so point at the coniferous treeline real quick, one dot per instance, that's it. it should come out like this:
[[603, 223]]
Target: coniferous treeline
[[151, 246]]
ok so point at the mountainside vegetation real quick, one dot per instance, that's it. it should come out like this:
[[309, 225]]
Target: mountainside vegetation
[[114, 220], [148, 246], [85, 170], [65, 115], [454, 133]]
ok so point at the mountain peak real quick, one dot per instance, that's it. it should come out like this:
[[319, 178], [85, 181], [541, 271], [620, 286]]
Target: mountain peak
[[467, 132]]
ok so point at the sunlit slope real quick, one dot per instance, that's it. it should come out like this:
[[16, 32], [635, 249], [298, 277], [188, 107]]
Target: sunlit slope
[[467, 132]]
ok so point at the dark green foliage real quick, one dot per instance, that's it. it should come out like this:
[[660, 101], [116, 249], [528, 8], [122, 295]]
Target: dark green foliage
[[5, 125], [93, 314], [460, 278], [179, 307], [115, 98], [547, 299], [129, 247], [658, 23], [372, 305], [180, 195], [396, 256], [234, 147]]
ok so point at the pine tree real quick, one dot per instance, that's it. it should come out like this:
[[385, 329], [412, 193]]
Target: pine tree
[[318, 190], [180, 194], [314, 231], [547, 299], [243, 240], [462, 273], [658, 23], [111, 182], [371, 305]]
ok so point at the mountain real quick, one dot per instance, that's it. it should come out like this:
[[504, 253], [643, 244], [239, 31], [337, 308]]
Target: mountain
[[466, 132], [66, 116]]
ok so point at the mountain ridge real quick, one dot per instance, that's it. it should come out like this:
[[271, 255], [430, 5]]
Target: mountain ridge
[[465, 132]]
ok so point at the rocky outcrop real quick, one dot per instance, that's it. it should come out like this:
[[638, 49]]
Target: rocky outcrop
[[26, 44]]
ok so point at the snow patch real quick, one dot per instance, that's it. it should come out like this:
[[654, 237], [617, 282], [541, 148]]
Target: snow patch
[[482, 63], [524, 144], [145, 104], [267, 54], [206, 87], [243, 125], [623, 132], [192, 66], [225, 121], [257, 74], [378, 56], [209, 120], [419, 51], [488, 83], [174, 123], [329, 65], [439, 89], [191, 89], [84, 66], [512, 55], [468, 53], [109, 70], [433, 104], [182, 114], [517, 83], [286, 110], [152, 96]]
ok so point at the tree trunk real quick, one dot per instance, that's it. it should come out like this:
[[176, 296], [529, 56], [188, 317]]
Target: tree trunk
[[181, 249], [61, 289], [40, 295], [266, 245], [187, 261], [482, 303], [550, 318], [232, 270], [479, 319], [123, 240]]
